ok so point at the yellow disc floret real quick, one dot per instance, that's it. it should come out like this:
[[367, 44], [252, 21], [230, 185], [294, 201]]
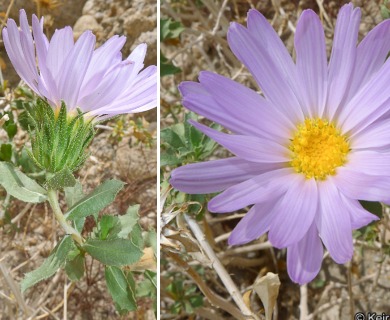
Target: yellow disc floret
[[318, 148]]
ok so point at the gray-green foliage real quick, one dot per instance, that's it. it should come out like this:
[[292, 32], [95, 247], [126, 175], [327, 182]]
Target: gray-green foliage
[[61, 179], [149, 286], [117, 241], [73, 194], [54, 261], [75, 265], [385, 9], [182, 143], [169, 30], [114, 252], [97, 200], [58, 141], [122, 288], [20, 186]]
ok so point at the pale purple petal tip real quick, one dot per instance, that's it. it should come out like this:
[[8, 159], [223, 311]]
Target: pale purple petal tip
[[304, 258], [334, 228], [254, 224]]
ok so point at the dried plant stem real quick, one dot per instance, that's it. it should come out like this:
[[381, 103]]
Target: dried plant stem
[[210, 295], [350, 292], [22, 213], [5, 206], [303, 303], [53, 200], [249, 248], [14, 289], [11, 3], [218, 267]]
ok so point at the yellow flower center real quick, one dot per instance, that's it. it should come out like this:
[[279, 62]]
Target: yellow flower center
[[318, 148]]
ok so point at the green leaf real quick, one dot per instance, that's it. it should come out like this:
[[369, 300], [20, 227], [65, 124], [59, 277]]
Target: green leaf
[[168, 158], [61, 179], [75, 268], [196, 301], [128, 221], [6, 152], [120, 289], [144, 288], [79, 224], [152, 276], [151, 240], [114, 252], [373, 207], [170, 29], [196, 136], [136, 236], [54, 261], [107, 224], [171, 136], [18, 185], [11, 129], [385, 10], [73, 194], [97, 200], [148, 287], [167, 69], [24, 161]]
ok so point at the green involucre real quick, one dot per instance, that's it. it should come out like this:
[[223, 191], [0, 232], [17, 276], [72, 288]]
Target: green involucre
[[59, 141]]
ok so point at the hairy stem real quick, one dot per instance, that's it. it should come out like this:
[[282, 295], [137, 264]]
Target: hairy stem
[[53, 200]]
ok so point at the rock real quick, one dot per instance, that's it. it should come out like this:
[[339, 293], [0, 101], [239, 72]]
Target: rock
[[150, 38], [89, 8], [137, 20], [84, 23], [65, 13]]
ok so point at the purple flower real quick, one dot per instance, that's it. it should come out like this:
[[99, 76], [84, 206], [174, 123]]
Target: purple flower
[[305, 152], [96, 81]]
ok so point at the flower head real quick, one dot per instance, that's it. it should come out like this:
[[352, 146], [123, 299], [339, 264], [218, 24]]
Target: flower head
[[96, 81], [307, 151]]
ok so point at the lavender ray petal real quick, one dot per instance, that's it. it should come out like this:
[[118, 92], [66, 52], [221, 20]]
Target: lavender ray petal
[[360, 217], [256, 115], [253, 225], [361, 186], [294, 213], [370, 162], [265, 187], [374, 137], [270, 76], [334, 223], [61, 44], [343, 56], [216, 175], [311, 62], [371, 54], [304, 258], [13, 46], [74, 69], [250, 148], [356, 115]]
